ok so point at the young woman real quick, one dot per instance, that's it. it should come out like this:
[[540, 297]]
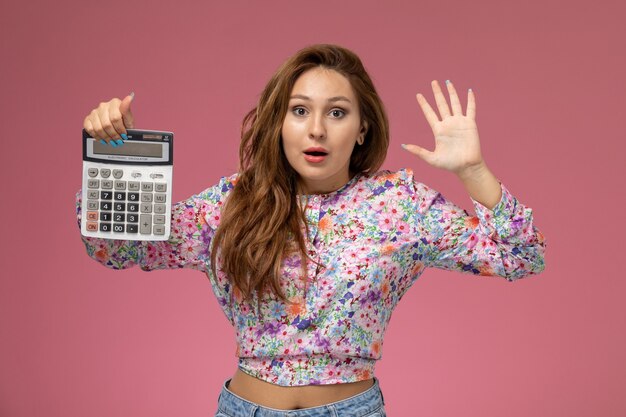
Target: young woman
[[309, 247]]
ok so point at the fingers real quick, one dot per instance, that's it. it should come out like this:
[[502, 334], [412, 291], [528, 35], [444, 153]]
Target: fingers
[[440, 99], [454, 99], [471, 105], [426, 155], [109, 121], [429, 113], [127, 115]]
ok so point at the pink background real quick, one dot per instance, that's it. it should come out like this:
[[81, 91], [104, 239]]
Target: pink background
[[77, 339]]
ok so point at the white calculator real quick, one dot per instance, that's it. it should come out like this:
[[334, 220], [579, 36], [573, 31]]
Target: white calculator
[[127, 189]]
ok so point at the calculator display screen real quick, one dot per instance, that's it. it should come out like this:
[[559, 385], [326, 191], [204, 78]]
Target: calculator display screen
[[153, 150]]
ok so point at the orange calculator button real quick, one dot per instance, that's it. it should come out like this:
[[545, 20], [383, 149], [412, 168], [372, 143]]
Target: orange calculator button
[[92, 227], [92, 215]]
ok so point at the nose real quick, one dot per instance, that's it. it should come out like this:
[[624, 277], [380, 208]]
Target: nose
[[317, 129]]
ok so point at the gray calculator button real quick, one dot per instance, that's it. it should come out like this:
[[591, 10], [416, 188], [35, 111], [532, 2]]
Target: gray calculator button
[[92, 194], [156, 175], [159, 219], [160, 187], [120, 185], [93, 183], [147, 186], [136, 174], [107, 184], [160, 198], [159, 229], [118, 173], [159, 208], [92, 205], [146, 208], [145, 224], [105, 172], [92, 172], [146, 197], [133, 186]]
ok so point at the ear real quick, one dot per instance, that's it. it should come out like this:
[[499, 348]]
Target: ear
[[362, 133]]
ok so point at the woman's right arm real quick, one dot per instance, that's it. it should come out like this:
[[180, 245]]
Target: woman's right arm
[[193, 224], [190, 238]]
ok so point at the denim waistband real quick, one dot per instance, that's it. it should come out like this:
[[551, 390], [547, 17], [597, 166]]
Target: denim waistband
[[361, 404]]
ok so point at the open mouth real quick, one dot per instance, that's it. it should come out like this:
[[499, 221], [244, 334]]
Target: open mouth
[[315, 153]]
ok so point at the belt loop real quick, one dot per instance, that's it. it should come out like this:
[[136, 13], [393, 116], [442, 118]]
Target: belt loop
[[332, 412], [253, 410]]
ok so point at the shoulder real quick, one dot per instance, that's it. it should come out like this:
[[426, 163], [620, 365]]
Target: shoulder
[[400, 184]]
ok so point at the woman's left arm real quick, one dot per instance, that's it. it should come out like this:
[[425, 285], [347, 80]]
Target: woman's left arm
[[503, 221]]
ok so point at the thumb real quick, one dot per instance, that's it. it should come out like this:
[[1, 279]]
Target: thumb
[[424, 154], [127, 115]]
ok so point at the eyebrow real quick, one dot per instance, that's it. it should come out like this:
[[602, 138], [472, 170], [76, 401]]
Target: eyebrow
[[331, 99]]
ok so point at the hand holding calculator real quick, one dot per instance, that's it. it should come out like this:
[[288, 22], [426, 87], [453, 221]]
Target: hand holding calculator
[[127, 189]]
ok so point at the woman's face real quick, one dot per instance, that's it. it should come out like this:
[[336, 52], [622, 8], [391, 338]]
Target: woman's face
[[320, 130]]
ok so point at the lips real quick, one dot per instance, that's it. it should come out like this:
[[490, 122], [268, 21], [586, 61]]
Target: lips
[[315, 154]]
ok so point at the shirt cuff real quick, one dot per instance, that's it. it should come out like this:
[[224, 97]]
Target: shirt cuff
[[505, 219]]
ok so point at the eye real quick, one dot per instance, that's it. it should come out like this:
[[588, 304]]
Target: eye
[[299, 111], [337, 113]]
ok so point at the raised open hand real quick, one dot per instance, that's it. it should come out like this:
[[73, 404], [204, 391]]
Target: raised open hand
[[457, 147]]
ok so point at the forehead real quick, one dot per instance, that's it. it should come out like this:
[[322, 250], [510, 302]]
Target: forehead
[[322, 83]]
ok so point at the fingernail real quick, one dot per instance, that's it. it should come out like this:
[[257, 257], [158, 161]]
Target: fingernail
[[470, 90], [119, 142], [123, 135], [132, 95], [447, 82], [403, 145], [102, 142], [112, 143]]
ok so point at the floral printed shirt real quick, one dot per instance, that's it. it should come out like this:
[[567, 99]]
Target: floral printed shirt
[[372, 239]]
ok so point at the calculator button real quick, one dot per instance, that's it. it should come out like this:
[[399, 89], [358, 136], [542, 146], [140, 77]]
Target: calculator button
[[92, 194], [159, 208], [105, 227], [133, 186], [107, 184], [93, 183], [118, 173], [145, 225], [131, 228], [159, 198], [133, 196], [146, 208], [105, 172], [105, 217], [136, 174], [119, 217], [106, 195], [120, 185], [159, 219], [105, 205], [92, 172], [92, 227], [118, 228], [160, 187], [119, 206], [159, 229], [92, 205], [133, 208], [132, 218], [120, 196], [156, 175], [147, 186], [146, 198], [92, 215]]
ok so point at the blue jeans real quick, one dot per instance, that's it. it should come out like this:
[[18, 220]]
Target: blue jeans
[[369, 403]]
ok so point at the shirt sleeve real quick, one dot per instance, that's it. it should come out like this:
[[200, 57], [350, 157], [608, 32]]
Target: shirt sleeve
[[502, 241], [194, 221]]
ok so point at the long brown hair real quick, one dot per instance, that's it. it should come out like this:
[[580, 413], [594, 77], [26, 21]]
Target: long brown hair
[[261, 220]]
